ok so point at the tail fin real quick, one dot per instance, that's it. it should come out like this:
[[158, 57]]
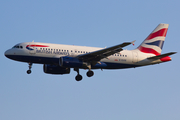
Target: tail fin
[[154, 42]]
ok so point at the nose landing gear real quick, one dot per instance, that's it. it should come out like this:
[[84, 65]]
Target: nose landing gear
[[30, 66]]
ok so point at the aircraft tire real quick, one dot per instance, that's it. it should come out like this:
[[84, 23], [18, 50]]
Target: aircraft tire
[[78, 77], [90, 73], [28, 71]]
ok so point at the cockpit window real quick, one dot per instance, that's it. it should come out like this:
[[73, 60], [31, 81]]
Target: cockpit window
[[16, 46]]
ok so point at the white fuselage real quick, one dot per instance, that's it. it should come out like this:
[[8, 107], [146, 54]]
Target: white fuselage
[[51, 53]]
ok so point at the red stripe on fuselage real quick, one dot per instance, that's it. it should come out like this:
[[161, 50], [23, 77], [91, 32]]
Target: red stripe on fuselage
[[160, 33], [37, 46]]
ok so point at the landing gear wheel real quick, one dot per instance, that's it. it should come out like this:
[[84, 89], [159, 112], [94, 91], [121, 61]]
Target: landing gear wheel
[[30, 66], [28, 71], [90, 73], [78, 78]]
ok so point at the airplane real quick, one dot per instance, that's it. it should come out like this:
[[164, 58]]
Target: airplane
[[59, 59]]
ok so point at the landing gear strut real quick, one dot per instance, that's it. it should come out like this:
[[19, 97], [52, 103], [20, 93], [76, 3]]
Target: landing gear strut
[[30, 66], [89, 73], [78, 76]]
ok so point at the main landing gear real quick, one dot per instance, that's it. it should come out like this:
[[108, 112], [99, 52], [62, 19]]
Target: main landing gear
[[79, 77], [30, 66], [89, 73]]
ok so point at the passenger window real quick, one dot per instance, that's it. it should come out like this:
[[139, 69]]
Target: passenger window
[[21, 47], [17, 46]]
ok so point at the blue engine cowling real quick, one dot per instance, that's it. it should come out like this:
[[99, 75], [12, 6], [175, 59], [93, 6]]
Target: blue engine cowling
[[71, 62], [53, 69]]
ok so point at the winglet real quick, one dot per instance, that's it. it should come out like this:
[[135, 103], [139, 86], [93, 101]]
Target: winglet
[[133, 42]]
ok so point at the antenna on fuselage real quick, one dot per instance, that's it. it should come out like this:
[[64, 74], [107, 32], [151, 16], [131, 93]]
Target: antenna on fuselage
[[33, 41]]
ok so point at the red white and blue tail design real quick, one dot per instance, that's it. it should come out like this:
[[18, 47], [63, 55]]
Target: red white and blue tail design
[[153, 44]]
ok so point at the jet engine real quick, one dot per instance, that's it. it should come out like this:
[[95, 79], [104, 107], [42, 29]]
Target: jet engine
[[71, 62], [53, 69]]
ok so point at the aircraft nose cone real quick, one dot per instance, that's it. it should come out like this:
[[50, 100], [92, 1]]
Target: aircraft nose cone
[[7, 53]]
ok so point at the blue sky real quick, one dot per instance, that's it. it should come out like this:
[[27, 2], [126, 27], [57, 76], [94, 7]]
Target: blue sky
[[150, 92]]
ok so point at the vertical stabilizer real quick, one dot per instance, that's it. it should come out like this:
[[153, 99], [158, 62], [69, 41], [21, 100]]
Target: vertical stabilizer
[[154, 42]]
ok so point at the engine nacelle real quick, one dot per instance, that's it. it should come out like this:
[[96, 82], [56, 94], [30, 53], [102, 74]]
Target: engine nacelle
[[71, 62], [53, 69]]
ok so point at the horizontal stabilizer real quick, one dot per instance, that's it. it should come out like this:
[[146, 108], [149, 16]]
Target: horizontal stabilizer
[[161, 56]]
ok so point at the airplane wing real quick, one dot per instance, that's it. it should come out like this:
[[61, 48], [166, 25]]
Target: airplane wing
[[161, 56], [103, 53]]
